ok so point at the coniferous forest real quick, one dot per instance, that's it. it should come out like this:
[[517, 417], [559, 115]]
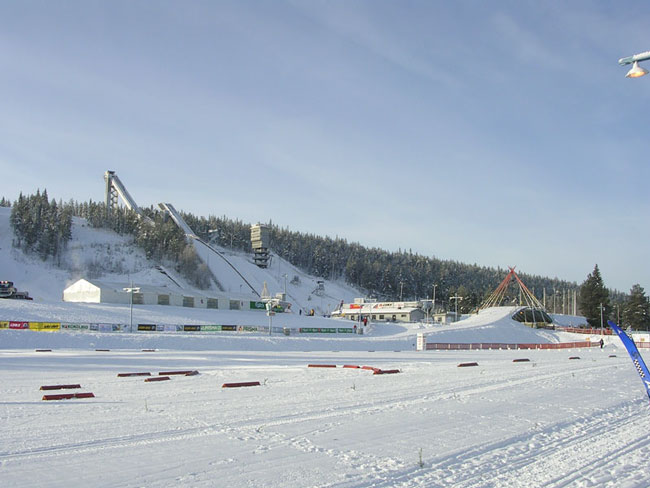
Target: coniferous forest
[[43, 227]]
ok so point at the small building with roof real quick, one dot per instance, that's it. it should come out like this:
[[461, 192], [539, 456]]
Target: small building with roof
[[375, 311]]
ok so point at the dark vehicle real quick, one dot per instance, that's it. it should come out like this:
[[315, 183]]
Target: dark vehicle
[[8, 290]]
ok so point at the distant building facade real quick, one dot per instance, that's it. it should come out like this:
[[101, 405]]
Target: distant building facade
[[375, 311], [96, 291]]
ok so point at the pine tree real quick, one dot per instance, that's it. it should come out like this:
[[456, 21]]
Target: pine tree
[[593, 295], [636, 313]]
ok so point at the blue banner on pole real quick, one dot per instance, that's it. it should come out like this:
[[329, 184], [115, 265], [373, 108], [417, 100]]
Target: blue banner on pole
[[634, 354]]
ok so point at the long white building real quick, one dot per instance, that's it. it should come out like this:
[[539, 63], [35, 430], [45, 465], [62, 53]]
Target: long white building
[[95, 291]]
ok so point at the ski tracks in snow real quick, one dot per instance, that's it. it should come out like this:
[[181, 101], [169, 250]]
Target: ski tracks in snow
[[584, 452]]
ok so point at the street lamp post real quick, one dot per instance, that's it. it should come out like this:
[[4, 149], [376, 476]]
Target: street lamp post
[[636, 71], [131, 289]]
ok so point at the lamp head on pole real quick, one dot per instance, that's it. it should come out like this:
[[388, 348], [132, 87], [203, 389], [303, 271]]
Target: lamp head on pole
[[636, 71]]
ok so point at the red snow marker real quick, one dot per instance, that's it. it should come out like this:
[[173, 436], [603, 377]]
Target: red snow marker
[[68, 396], [158, 378], [371, 368], [62, 396], [321, 366], [465, 365], [123, 375], [84, 395], [387, 371], [59, 387], [238, 385], [522, 360]]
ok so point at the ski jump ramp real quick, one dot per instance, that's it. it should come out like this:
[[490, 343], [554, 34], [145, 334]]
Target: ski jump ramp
[[205, 250]]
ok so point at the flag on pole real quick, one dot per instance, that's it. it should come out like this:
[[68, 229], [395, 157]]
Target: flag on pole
[[634, 354]]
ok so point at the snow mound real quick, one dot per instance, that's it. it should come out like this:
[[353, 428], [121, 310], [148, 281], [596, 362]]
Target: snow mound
[[493, 324]]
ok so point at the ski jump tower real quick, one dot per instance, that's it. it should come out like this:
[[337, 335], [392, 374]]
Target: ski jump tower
[[114, 187], [260, 244]]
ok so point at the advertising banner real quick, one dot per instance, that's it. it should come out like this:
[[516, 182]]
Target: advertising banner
[[342, 330], [147, 327], [192, 328], [320, 330], [52, 326], [229, 327], [18, 325], [211, 328], [4, 325], [247, 328], [105, 327], [257, 305], [75, 326]]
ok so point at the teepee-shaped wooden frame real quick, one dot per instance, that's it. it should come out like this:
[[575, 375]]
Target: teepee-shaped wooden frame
[[497, 296]]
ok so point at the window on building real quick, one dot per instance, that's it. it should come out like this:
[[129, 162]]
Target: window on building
[[163, 299], [188, 302]]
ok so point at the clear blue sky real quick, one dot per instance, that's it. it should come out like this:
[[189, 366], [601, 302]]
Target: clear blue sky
[[498, 133]]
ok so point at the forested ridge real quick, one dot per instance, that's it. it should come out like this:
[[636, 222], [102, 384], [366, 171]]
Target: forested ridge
[[381, 274], [42, 226]]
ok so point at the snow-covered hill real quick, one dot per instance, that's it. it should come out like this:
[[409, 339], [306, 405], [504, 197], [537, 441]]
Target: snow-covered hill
[[98, 253], [101, 253]]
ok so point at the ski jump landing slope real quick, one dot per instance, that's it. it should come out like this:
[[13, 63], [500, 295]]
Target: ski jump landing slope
[[236, 274]]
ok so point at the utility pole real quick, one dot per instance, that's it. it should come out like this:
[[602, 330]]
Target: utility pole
[[456, 298], [433, 303], [601, 318]]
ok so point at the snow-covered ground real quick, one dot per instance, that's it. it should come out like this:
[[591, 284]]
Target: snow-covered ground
[[551, 421]]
